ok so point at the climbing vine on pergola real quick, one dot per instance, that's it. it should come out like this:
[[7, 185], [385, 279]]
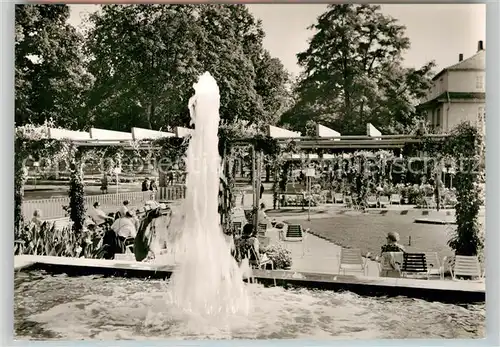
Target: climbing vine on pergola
[[464, 147]]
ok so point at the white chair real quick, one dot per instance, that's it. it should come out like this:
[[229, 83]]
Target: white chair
[[350, 259], [262, 229], [468, 266], [338, 198], [395, 199], [371, 201], [384, 200], [434, 266]]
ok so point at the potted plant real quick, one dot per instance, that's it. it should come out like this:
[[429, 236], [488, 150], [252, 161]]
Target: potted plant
[[280, 256]]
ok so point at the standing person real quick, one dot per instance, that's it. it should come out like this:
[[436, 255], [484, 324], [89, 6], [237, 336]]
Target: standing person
[[145, 185], [153, 188], [170, 178], [247, 247], [261, 190], [104, 184]]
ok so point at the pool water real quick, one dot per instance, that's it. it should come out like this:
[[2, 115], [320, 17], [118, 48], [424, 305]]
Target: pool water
[[50, 307]]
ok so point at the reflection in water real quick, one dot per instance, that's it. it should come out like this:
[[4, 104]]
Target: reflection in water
[[59, 307]]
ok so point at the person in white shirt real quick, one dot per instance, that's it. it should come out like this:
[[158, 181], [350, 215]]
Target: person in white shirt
[[125, 227], [124, 208], [98, 215]]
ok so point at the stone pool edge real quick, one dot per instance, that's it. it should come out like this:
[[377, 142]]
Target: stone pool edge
[[431, 290]]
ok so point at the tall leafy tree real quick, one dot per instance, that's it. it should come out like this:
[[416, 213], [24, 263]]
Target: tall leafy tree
[[51, 80], [353, 72], [144, 61]]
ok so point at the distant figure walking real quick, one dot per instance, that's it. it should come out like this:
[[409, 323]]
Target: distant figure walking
[[145, 185], [104, 184]]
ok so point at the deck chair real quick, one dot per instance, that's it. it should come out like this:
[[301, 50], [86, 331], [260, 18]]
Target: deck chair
[[338, 198], [261, 229], [384, 200], [414, 264], [237, 228], [350, 259], [294, 233], [468, 266], [434, 266], [395, 199], [371, 201]]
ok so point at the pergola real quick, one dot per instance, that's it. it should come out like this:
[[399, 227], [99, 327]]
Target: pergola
[[326, 140]]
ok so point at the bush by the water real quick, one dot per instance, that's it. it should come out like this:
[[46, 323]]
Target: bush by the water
[[46, 239], [281, 257]]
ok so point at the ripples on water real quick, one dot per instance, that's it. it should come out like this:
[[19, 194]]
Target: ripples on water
[[83, 308]]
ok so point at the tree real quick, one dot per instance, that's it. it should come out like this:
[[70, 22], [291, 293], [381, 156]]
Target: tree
[[144, 60], [51, 81], [354, 75]]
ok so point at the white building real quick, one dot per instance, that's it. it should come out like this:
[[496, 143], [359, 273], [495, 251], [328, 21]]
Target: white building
[[458, 94]]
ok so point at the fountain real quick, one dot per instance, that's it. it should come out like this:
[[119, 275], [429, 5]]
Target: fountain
[[207, 279], [206, 297]]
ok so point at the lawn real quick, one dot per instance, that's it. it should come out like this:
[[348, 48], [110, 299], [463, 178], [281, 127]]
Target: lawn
[[368, 232]]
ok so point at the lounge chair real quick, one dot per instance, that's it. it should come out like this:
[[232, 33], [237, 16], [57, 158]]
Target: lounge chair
[[468, 266], [414, 264], [395, 199], [371, 201], [294, 233], [383, 200], [350, 259], [262, 229], [434, 266], [338, 198]]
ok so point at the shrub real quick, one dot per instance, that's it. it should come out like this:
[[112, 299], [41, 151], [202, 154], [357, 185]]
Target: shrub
[[281, 257], [49, 240]]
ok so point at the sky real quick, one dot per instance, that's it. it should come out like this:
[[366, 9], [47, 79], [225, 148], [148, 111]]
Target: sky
[[438, 32]]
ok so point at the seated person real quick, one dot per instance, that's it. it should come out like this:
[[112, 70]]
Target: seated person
[[261, 215], [125, 227], [390, 265], [124, 208], [99, 216], [247, 246], [37, 218], [392, 244]]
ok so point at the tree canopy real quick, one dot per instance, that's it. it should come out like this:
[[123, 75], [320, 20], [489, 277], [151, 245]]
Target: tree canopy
[[135, 66], [353, 73], [51, 81]]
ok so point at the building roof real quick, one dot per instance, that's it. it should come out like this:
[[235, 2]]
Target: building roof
[[450, 96], [475, 62]]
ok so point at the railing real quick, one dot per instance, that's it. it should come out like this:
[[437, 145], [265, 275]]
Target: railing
[[53, 208]]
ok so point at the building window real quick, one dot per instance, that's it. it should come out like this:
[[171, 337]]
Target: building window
[[479, 82]]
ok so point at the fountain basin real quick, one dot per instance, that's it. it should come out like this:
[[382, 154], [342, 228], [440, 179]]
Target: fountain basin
[[80, 303]]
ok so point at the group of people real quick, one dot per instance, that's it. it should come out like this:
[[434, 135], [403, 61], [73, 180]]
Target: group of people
[[149, 184]]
